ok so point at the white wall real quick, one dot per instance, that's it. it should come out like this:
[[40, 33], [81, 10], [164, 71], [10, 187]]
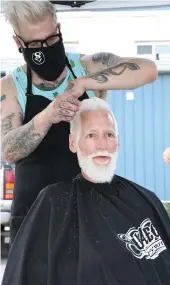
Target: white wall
[[114, 31], [100, 31]]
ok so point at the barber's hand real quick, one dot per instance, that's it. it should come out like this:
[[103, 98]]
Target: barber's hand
[[63, 107], [166, 155]]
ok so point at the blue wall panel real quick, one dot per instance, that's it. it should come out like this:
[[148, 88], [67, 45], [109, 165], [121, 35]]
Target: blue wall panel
[[144, 130]]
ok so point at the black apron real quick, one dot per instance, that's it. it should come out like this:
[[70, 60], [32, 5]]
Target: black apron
[[51, 162]]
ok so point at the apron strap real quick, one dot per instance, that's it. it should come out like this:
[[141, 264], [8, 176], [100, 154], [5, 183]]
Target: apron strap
[[69, 66], [83, 96], [29, 81]]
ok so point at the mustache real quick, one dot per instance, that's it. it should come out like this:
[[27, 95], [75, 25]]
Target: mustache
[[101, 153]]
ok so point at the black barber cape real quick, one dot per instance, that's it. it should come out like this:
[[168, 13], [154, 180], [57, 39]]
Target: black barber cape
[[81, 233]]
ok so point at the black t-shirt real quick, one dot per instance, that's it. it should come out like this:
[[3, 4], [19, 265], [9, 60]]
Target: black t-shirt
[[81, 233]]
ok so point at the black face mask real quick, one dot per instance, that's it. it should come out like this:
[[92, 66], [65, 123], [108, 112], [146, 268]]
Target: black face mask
[[47, 62]]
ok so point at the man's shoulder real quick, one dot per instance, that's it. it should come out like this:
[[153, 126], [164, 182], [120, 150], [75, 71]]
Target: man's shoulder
[[57, 189], [133, 184], [8, 85], [6, 81], [8, 78]]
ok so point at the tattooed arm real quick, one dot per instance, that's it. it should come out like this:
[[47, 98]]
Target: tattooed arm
[[106, 71], [18, 140]]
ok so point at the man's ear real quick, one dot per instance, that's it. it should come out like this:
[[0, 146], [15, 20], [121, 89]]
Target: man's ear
[[72, 143], [17, 41], [59, 27]]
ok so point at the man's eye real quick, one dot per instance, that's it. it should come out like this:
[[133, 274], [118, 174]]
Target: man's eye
[[52, 40], [34, 45], [111, 135], [91, 135]]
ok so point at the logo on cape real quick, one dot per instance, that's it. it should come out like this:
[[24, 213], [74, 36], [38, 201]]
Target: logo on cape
[[144, 241]]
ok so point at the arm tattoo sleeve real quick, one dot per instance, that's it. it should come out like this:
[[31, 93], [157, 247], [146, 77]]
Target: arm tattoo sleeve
[[6, 124], [20, 142], [111, 63], [3, 97], [107, 59]]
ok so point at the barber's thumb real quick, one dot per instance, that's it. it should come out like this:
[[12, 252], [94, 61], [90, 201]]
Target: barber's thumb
[[73, 93], [70, 85]]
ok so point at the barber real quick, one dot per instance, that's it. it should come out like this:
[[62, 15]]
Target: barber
[[37, 106]]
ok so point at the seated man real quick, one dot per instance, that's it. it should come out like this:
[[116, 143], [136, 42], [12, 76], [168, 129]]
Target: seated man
[[99, 229]]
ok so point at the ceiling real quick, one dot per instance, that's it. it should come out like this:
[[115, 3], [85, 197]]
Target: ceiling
[[109, 5]]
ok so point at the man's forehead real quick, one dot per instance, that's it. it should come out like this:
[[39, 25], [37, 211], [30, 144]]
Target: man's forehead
[[40, 29], [94, 115], [97, 118]]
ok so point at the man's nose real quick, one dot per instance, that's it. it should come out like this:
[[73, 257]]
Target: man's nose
[[102, 143]]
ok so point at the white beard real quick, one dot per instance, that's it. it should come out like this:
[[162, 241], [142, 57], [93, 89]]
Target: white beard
[[98, 173]]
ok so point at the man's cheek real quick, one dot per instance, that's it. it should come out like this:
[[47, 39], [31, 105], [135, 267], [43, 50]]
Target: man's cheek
[[87, 148]]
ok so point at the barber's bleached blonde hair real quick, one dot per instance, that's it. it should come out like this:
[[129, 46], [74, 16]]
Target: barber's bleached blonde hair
[[18, 12], [93, 103]]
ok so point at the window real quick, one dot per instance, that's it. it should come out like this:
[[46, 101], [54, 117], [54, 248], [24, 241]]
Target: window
[[144, 49], [162, 49], [154, 50]]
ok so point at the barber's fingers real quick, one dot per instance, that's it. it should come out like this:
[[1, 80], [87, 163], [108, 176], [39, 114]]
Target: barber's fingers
[[67, 98], [67, 117], [67, 106], [73, 100], [66, 113]]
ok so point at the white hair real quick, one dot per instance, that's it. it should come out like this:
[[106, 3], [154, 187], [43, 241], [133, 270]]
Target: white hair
[[18, 12], [93, 103]]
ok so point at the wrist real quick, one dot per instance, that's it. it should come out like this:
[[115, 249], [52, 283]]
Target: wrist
[[80, 85], [83, 81], [43, 119], [89, 83]]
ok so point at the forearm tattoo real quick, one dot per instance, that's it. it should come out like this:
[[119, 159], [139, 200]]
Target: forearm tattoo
[[111, 63], [20, 142], [3, 97], [107, 59], [6, 123]]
